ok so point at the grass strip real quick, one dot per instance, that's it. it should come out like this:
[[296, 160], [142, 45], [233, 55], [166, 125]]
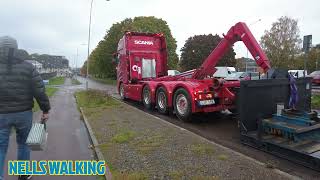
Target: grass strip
[[57, 81]]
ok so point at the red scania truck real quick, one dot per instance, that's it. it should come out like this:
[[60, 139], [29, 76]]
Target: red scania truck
[[142, 74]]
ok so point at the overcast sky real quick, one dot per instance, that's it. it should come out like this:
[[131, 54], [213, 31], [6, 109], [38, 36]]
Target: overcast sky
[[59, 27]]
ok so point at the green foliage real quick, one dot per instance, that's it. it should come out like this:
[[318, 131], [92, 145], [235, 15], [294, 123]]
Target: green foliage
[[222, 157], [312, 58], [100, 60], [83, 70], [315, 102], [123, 137], [56, 81], [197, 49], [282, 43], [282, 46], [240, 64], [202, 149]]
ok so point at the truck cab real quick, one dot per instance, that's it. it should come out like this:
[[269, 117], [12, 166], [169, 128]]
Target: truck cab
[[141, 57]]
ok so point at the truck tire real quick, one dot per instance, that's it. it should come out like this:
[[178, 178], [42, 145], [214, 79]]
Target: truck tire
[[146, 98], [162, 100], [121, 92], [182, 105]]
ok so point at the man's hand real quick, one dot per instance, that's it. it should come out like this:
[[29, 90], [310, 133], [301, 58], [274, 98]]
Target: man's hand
[[44, 117]]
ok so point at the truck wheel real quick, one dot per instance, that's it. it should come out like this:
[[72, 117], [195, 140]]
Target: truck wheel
[[182, 105], [162, 101], [121, 92], [146, 97]]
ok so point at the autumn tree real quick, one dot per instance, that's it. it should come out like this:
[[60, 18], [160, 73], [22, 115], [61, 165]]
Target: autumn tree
[[312, 60], [240, 64], [197, 48], [83, 70], [282, 42]]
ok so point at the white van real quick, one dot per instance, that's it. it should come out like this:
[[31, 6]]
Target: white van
[[224, 72], [298, 73], [173, 72]]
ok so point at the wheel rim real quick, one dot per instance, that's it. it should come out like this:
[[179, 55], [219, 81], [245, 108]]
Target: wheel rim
[[182, 104], [162, 102], [121, 91], [146, 96]]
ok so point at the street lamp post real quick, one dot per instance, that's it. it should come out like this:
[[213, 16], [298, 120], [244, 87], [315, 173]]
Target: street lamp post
[[89, 38], [77, 59]]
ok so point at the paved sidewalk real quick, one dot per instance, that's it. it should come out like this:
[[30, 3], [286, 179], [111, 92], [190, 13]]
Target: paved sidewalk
[[67, 138]]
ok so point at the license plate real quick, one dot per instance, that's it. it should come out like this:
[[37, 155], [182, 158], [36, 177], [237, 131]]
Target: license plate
[[206, 102]]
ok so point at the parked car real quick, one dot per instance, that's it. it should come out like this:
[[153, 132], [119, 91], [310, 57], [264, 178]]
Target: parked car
[[243, 76], [224, 72], [315, 77]]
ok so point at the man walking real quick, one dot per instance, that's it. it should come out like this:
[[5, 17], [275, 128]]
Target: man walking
[[19, 84]]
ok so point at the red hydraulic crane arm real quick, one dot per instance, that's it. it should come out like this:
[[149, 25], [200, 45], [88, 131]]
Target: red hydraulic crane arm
[[238, 32]]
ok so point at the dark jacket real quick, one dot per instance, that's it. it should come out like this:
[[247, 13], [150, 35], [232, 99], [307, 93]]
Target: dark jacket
[[19, 84]]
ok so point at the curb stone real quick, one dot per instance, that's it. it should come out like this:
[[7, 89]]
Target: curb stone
[[95, 145]]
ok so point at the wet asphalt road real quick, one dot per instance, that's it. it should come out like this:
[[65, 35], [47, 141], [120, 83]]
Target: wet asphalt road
[[221, 129], [67, 135]]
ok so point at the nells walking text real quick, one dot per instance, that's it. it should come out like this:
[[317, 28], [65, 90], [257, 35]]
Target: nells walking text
[[57, 167]]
